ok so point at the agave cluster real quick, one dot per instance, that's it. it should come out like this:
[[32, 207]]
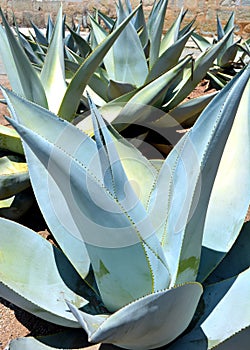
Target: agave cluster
[[233, 56], [150, 252], [49, 89], [151, 70], [148, 249]]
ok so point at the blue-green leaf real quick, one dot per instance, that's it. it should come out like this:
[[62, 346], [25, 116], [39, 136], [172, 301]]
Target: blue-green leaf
[[214, 325], [236, 260], [30, 276], [67, 339], [111, 235], [62, 225], [202, 43], [147, 323], [190, 171], [227, 209], [41, 39], [29, 85], [152, 95], [169, 58], [155, 28], [172, 34], [14, 176], [193, 76], [79, 81], [53, 70]]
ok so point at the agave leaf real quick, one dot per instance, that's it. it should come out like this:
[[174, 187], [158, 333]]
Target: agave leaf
[[81, 43], [31, 86], [202, 43], [239, 340], [100, 34], [151, 95], [130, 107], [192, 77], [99, 219], [230, 25], [214, 322], [230, 46], [232, 206], [128, 7], [10, 140], [34, 58], [52, 74], [228, 56], [116, 89], [216, 325], [49, 28], [140, 25], [9, 63], [14, 176], [145, 330], [69, 42], [68, 339], [62, 225], [99, 84], [187, 112], [28, 279], [27, 344], [217, 80], [80, 79], [41, 39], [185, 210], [172, 34], [129, 58], [108, 21], [236, 261], [220, 30], [186, 28], [140, 172], [126, 61], [155, 27], [169, 58], [116, 181]]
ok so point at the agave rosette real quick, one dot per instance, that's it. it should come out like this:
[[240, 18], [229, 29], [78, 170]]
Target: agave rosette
[[137, 237], [44, 79], [233, 56]]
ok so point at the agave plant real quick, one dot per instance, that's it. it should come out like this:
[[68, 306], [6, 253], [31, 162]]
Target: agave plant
[[147, 72], [44, 59], [137, 238], [146, 59], [40, 88], [152, 70], [15, 195], [47, 87], [233, 56]]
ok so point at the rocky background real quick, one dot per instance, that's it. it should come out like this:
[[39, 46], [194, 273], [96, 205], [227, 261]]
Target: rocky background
[[205, 11]]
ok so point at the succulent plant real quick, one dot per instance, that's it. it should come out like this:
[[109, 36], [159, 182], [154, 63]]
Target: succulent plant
[[147, 55], [15, 196], [137, 238], [148, 70], [233, 56], [47, 87], [40, 88]]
